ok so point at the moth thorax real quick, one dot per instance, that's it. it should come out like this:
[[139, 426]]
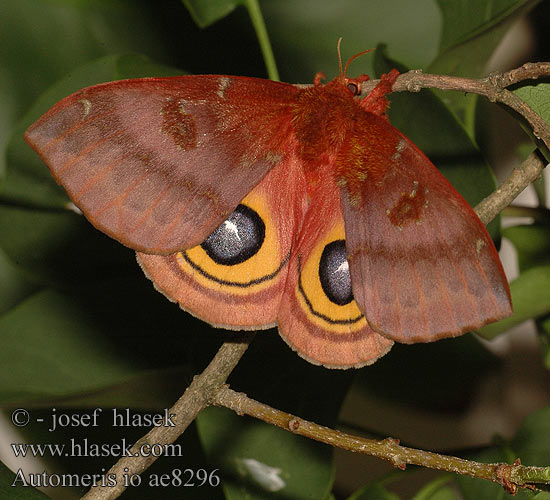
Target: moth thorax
[[322, 119]]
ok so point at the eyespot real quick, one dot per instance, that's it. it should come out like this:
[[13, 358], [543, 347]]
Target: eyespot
[[334, 273], [237, 239], [353, 88]]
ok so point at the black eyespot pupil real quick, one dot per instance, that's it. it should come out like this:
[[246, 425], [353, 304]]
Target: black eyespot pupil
[[334, 273], [237, 239], [353, 88]]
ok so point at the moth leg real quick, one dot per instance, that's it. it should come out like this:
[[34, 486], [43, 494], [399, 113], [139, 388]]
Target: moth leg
[[320, 75], [377, 102]]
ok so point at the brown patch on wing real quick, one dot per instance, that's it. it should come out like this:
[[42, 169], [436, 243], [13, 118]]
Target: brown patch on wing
[[410, 206], [179, 125]]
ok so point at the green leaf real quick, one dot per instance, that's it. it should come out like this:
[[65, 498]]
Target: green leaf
[[537, 96], [530, 297], [437, 489], [85, 341], [372, 492], [305, 34], [464, 20], [14, 287], [532, 243], [207, 12], [471, 32], [53, 335], [59, 248], [441, 494], [543, 330], [532, 440], [531, 444], [540, 186], [461, 364], [261, 461], [18, 492]]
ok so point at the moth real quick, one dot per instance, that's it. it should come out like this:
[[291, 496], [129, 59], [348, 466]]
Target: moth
[[253, 203]]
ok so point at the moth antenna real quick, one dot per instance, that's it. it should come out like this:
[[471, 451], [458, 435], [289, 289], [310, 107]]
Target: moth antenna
[[339, 56], [351, 59]]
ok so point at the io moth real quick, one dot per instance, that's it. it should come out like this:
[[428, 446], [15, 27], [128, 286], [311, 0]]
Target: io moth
[[254, 203]]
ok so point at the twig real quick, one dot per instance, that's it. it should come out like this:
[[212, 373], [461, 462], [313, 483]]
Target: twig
[[539, 214], [514, 184], [196, 397], [509, 476], [493, 87], [263, 39], [528, 71]]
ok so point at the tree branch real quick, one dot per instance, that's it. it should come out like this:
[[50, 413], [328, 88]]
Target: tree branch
[[196, 397], [493, 87], [514, 184], [509, 476]]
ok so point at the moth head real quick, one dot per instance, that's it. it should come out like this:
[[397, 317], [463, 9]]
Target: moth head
[[352, 84]]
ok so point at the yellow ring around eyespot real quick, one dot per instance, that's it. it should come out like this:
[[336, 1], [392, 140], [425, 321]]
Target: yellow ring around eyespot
[[321, 310], [257, 272]]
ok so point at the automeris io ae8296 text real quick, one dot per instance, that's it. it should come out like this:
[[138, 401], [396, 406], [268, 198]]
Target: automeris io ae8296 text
[[253, 203]]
